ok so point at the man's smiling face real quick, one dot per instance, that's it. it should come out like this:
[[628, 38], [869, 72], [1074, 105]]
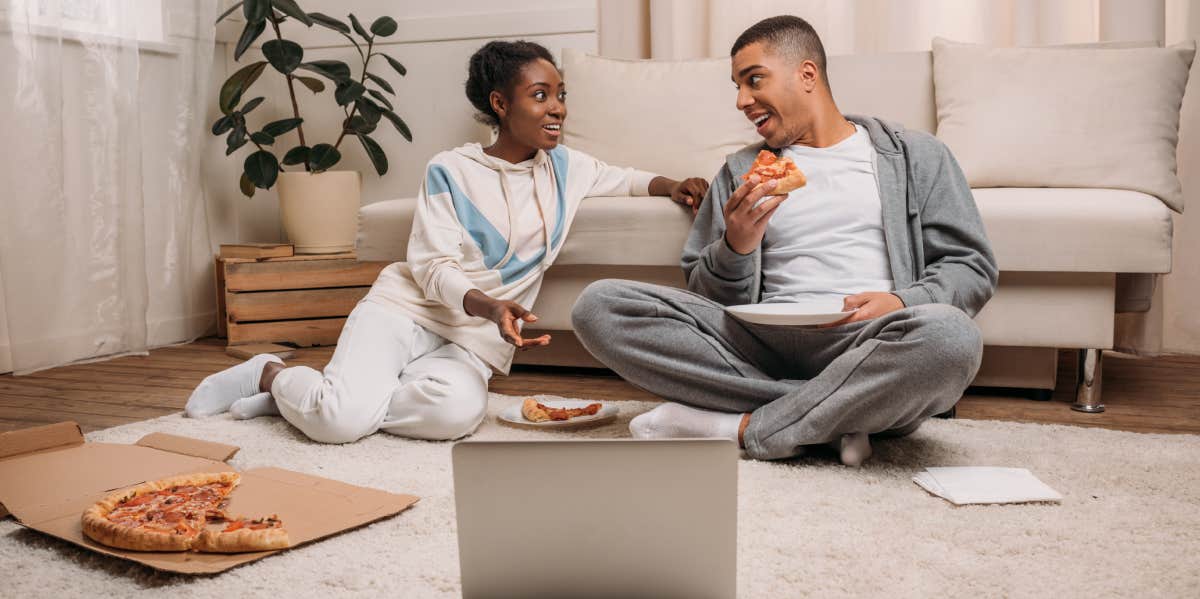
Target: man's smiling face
[[771, 93]]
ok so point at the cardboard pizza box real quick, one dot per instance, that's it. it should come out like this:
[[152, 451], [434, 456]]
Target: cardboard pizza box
[[49, 475]]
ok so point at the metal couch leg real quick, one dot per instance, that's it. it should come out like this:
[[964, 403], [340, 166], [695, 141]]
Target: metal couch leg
[[1090, 374]]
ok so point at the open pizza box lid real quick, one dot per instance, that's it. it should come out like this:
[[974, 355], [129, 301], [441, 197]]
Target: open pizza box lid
[[49, 475]]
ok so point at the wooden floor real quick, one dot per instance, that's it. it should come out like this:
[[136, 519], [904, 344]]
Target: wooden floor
[[1145, 395]]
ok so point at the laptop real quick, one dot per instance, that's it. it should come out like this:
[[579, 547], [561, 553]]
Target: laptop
[[597, 518]]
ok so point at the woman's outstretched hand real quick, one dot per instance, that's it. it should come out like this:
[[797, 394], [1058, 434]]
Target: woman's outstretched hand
[[508, 316]]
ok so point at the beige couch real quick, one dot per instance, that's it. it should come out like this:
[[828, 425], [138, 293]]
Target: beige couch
[[1070, 259]]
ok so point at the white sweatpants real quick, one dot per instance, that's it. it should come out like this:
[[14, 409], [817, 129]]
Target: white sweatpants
[[387, 373]]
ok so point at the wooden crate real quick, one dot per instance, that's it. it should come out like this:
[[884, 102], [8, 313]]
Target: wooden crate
[[301, 299]]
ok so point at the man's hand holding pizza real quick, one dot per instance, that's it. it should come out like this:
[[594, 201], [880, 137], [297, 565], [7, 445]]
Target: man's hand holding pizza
[[746, 217]]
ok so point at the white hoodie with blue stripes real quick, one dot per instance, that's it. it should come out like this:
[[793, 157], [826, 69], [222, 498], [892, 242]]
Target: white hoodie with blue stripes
[[484, 223]]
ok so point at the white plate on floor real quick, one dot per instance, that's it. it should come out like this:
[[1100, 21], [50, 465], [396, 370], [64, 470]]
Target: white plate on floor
[[608, 412], [791, 314]]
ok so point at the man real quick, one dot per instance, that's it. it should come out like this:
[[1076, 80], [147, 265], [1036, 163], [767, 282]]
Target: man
[[886, 225]]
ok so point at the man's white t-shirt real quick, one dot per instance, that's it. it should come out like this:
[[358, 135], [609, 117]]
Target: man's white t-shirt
[[826, 240]]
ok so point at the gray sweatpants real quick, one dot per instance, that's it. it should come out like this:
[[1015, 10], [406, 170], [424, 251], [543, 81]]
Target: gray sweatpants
[[801, 385]]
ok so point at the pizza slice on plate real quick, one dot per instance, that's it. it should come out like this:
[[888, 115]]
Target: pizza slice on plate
[[768, 166], [534, 411]]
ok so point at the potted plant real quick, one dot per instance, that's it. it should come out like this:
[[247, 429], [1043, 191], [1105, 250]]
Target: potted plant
[[318, 206]]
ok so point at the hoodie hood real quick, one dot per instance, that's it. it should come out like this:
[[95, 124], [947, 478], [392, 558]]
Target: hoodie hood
[[539, 167]]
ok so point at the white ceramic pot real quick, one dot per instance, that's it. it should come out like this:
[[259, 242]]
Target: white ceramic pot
[[320, 210]]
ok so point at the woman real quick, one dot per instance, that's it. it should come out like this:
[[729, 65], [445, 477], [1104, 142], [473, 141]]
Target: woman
[[415, 355]]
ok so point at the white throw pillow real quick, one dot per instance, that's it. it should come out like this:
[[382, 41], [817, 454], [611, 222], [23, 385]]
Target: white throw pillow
[[674, 118], [1064, 116]]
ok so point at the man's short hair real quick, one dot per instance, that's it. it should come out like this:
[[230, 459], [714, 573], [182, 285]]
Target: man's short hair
[[788, 35]]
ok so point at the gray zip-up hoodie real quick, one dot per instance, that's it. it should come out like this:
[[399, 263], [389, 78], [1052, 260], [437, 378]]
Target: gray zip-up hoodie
[[937, 247]]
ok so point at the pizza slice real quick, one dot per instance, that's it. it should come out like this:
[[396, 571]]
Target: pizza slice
[[768, 166], [242, 534], [534, 411]]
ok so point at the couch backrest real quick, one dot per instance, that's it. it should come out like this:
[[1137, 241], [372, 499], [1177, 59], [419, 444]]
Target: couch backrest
[[679, 119]]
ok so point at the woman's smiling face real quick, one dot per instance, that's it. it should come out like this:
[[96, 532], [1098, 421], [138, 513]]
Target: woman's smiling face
[[536, 106]]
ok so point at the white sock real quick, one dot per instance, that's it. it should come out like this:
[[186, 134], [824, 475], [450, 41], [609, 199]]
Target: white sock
[[218, 391], [853, 448], [677, 421], [259, 404]]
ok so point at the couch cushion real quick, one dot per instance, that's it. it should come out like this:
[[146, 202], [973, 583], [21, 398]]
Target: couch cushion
[[1063, 117], [1076, 230], [674, 118], [856, 79], [1047, 230]]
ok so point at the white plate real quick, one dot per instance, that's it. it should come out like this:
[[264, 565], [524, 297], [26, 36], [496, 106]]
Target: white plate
[[795, 314], [512, 414]]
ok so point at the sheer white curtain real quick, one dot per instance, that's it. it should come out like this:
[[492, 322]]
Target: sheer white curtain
[[104, 241], [681, 29]]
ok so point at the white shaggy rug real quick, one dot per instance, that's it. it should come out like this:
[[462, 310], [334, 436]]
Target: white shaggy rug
[[1129, 524]]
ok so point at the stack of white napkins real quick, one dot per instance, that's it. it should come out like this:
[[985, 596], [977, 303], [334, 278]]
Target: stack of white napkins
[[971, 484]]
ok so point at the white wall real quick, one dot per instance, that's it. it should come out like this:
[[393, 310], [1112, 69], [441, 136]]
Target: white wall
[[434, 42]]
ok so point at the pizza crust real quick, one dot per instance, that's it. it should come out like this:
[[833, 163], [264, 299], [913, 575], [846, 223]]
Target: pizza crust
[[790, 182], [99, 528], [240, 541], [533, 412]]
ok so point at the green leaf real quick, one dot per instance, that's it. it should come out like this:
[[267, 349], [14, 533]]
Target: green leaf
[[289, 8], [358, 28], [357, 124], [378, 158], [251, 105], [262, 168], [323, 156], [262, 139], [399, 123], [231, 91], [228, 12], [396, 65], [222, 125], [296, 155], [383, 26], [249, 34], [329, 22], [334, 70], [348, 91], [277, 128], [378, 95], [256, 11], [370, 110], [312, 83], [247, 186], [387, 87], [235, 140], [284, 55]]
